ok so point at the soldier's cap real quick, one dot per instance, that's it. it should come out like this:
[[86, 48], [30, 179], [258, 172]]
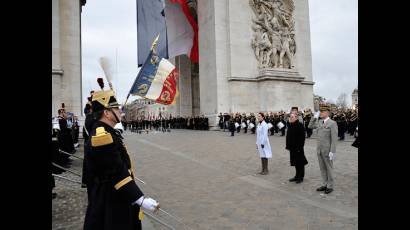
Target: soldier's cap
[[324, 107], [104, 99]]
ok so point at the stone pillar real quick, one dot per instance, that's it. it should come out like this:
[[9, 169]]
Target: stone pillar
[[56, 65], [213, 66], [184, 86], [70, 54], [183, 103], [303, 59], [196, 100]]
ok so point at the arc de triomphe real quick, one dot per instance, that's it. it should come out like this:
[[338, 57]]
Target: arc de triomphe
[[254, 55]]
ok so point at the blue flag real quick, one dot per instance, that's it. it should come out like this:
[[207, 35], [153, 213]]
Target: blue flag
[[150, 23]]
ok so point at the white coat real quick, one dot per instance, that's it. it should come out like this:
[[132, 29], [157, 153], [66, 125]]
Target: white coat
[[262, 139]]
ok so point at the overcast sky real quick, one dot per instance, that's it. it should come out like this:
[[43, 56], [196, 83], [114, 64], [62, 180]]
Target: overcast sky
[[109, 29]]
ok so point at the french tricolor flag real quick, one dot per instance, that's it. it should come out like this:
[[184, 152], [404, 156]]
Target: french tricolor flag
[[157, 80], [174, 21]]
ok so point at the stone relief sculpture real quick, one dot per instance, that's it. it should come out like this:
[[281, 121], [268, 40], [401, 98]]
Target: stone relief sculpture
[[273, 40]]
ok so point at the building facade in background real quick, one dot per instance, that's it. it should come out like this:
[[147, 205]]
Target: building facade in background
[[355, 98]]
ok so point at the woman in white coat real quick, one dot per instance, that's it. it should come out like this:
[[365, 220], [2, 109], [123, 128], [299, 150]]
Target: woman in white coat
[[262, 143]]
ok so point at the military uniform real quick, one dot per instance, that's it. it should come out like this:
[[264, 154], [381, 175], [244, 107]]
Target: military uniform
[[56, 156], [341, 125], [326, 143], [227, 117], [238, 120], [221, 121], [232, 126], [88, 124], [253, 121], [244, 118], [282, 119], [275, 123], [306, 119], [110, 176], [271, 120], [64, 136], [206, 123]]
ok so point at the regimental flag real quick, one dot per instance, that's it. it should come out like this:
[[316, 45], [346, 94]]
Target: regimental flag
[[157, 80]]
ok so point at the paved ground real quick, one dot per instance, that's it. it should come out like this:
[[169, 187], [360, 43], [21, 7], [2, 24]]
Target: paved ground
[[70, 205], [207, 179]]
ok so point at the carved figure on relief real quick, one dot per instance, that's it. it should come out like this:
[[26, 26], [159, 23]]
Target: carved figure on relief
[[274, 17]]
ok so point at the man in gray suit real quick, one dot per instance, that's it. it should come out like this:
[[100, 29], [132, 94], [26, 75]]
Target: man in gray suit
[[326, 145]]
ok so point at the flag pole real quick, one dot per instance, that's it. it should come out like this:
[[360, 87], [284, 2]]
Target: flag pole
[[154, 43], [153, 47]]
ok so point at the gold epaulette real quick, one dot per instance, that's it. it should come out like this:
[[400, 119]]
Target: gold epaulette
[[101, 138]]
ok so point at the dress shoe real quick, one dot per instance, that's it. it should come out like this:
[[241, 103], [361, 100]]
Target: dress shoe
[[298, 181], [292, 179], [321, 188], [328, 190]]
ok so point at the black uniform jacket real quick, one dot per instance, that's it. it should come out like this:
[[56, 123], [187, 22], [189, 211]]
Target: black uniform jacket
[[112, 188]]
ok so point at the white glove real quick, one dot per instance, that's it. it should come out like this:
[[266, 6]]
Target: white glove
[[150, 204], [316, 115], [147, 203], [331, 157]]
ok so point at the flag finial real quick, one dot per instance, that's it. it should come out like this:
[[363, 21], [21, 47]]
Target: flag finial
[[155, 42]]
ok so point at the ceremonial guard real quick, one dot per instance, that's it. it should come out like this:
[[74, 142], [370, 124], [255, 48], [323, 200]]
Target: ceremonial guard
[[356, 141], [206, 123], [116, 199], [76, 131], [275, 122], [341, 125], [282, 120], [308, 116], [55, 154], [232, 125], [88, 124], [352, 124], [227, 117], [326, 146], [272, 122], [88, 120], [238, 122], [65, 139], [190, 123], [221, 121], [253, 121], [244, 123]]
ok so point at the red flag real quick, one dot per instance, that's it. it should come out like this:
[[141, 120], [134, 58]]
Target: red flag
[[194, 55]]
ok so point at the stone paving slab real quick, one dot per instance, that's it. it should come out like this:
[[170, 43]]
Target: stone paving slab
[[208, 180]]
